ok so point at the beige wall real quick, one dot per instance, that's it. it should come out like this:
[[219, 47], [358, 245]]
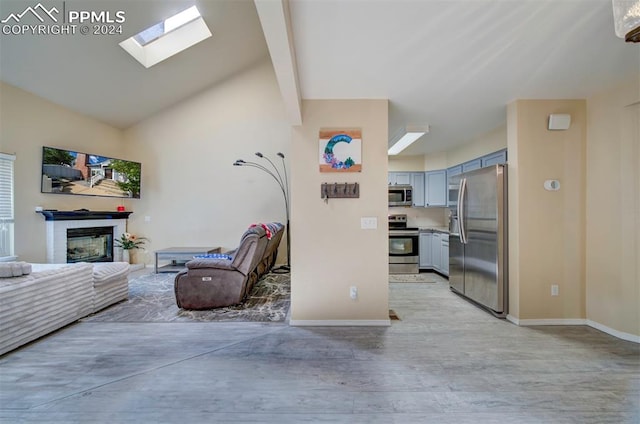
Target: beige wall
[[191, 192], [406, 163], [430, 162], [547, 247], [613, 208], [479, 146], [27, 123], [435, 161], [330, 253]]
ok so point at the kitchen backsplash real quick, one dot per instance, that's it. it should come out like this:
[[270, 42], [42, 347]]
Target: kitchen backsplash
[[424, 217]]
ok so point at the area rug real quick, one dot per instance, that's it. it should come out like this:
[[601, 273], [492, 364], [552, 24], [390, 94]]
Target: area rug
[[412, 278], [152, 299]]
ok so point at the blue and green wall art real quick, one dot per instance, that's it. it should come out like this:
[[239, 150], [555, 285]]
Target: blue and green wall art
[[340, 150]]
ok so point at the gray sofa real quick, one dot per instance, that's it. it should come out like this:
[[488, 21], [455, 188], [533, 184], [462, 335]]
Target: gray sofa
[[55, 295], [212, 283]]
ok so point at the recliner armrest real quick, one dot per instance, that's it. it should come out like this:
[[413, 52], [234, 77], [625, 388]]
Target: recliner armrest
[[210, 263]]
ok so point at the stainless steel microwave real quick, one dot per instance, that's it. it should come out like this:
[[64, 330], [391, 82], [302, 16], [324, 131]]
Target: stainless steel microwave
[[400, 195]]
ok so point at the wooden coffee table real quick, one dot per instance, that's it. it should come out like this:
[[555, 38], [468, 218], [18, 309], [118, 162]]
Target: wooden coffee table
[[179, 256]]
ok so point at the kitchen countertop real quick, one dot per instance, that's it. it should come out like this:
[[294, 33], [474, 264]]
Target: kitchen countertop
[[443, 230]]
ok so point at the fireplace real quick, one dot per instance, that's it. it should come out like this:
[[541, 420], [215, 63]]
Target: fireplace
[[91, 244], [59, 222]]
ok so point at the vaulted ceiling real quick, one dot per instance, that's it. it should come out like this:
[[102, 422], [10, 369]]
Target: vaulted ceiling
[[449, 64]]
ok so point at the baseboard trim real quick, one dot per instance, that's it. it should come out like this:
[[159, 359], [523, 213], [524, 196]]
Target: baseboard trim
[[513, 319], [553, 321], [615, 333], [593, 324], [340, 323]]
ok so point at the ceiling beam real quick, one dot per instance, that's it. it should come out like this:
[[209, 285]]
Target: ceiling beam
[[276, 25]]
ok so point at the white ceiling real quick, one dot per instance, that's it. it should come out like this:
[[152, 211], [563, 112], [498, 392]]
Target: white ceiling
[[451, 64]]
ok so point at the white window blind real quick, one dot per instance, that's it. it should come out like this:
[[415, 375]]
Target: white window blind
[[6, 205]]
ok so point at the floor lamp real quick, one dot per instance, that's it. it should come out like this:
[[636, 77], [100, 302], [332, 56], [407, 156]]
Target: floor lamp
[[284, 187]]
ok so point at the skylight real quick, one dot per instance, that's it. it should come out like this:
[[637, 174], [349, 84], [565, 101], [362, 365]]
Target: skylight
[[167, 38]]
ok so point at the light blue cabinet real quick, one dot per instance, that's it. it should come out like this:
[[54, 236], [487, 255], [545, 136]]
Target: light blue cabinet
[[451, 192], [435, 188], [494, 158], [454, 170], [425, 250], [417, 182], [429, 188], [401, 178], [444, 257], [436, 251], [472, 165], [491, 159]]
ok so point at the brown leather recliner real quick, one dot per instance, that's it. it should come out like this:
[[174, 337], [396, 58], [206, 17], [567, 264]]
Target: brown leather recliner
[[212, 283]]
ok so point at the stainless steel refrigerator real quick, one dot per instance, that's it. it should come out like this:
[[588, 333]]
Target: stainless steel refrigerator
[[478, 253]]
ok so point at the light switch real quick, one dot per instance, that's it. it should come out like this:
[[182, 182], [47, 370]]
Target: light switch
[[368, 223]]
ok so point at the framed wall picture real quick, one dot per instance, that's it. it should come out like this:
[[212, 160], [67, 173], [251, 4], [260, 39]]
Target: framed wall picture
[[340, 150]]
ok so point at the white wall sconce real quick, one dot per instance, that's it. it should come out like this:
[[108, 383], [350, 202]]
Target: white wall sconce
[[559, 122]]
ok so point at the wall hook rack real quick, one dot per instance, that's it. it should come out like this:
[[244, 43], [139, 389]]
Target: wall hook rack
[[339, 190]]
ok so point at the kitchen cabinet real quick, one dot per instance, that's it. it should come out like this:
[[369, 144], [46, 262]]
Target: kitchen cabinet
[[444, 257], [425, 250], [403, 178], [429, 188], [435, 184], [494, 158], [451, 190], [454, 170], [472, 165], [418, 193], [436, 251], [487, 160]]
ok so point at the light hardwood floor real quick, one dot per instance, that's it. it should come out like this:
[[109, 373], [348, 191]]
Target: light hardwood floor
[[445, 362]]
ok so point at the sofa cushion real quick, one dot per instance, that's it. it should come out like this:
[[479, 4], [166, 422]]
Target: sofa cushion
[[110, 283], [14, 269], [105, 272]]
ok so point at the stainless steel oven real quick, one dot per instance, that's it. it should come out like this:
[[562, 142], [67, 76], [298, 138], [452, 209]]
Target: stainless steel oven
[[404, 246]]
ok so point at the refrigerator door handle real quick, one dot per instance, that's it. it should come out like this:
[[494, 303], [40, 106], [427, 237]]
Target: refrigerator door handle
[[461, 191]]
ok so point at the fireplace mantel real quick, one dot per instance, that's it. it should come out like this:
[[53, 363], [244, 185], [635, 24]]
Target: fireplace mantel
[[52, 215]]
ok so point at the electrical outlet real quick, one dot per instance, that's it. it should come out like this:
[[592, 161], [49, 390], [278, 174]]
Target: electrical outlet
[[353, 292], [368, 223], [554, 290], [147, 218]]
